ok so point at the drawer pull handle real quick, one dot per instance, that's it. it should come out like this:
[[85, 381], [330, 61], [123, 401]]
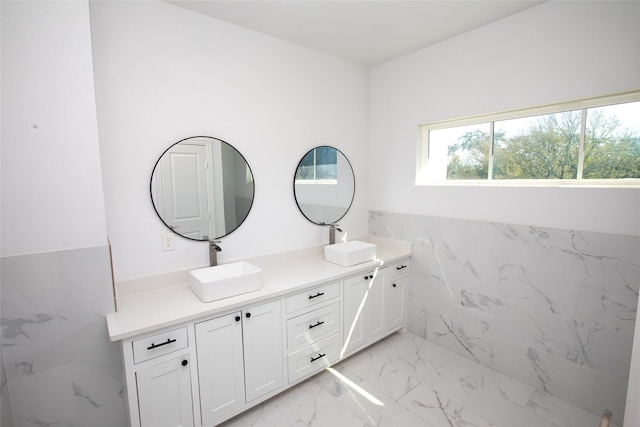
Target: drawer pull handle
[[319, 294], [400, 267], [317, 324], [320, 356], [168, 341]]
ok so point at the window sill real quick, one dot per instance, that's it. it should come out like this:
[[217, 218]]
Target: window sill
[[555, 183]]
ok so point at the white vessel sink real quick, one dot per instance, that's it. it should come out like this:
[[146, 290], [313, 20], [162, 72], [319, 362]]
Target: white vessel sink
[[350, 253], [226, 280]]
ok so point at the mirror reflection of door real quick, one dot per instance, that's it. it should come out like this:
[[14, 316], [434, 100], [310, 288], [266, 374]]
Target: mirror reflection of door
[[184, 179], [202, 188]]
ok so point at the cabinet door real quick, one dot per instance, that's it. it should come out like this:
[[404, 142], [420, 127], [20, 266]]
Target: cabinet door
[[398, 300], [164, 394], [376, 324], [355, 295], [220, 366], [263, 358]]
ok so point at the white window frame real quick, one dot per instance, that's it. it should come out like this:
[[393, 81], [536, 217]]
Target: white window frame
[[422, 152]]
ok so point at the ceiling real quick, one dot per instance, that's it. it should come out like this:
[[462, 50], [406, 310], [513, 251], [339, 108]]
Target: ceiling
[[360, 31]]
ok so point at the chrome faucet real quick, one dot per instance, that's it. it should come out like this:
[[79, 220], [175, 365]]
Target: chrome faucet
[[332, 233], [213, 252]]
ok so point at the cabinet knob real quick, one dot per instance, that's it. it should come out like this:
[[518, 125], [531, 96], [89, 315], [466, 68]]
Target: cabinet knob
[[394, 285], [185, 362], [237, 318], [248, 315]]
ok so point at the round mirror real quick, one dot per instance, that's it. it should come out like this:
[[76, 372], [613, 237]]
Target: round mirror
[[202, 188], [324, 185]]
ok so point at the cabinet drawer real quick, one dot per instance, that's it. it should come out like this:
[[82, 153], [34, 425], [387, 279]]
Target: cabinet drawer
[[159, 344], [399, 268], [306, 328], [315, 357], [312, 297]]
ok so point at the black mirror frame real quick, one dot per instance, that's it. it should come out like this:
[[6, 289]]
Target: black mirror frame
[[353, 194], [253, 193]]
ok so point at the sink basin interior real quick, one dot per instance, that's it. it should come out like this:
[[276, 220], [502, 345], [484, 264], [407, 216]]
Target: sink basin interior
[[350, 253], [226, 280]]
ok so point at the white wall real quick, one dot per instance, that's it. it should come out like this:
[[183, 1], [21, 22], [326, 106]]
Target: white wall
[[559, 51], [52, 196], [54, 264], [164, 73]]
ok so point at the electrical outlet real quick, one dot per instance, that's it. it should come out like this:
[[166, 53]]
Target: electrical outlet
[[168, 241]]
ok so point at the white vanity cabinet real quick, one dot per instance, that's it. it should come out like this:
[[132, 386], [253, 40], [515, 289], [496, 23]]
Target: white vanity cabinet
[[375, 304], [398, 295], [314, 330], [220, 366], [263, 354], [194, 364], [365, 313], [159, 372], [240, 359], [164, 394]]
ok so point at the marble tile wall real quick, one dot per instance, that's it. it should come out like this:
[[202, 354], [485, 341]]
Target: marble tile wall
[[6, 415], [553, 308], [59, 366]]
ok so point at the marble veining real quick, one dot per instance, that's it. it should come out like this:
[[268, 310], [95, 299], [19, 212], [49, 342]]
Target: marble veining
[[551, 307], [59, 367], [13, 328], [460, 336]]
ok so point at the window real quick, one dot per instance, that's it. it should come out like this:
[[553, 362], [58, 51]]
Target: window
[[577, 142], [319, 165]]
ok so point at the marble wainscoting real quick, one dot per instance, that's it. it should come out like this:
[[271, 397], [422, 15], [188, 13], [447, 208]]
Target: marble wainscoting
[[6, 415], [552, 308], [60, 369]]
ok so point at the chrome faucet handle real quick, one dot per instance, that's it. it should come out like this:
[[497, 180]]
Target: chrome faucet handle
[[332, 233], [213, 249]]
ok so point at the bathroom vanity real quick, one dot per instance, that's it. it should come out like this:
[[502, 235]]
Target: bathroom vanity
[[190, 363]]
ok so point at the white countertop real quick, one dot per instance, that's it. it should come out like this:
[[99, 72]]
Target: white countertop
[[148, 304]]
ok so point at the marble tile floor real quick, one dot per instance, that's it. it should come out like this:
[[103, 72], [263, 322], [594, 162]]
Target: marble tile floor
[[405, 381]]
